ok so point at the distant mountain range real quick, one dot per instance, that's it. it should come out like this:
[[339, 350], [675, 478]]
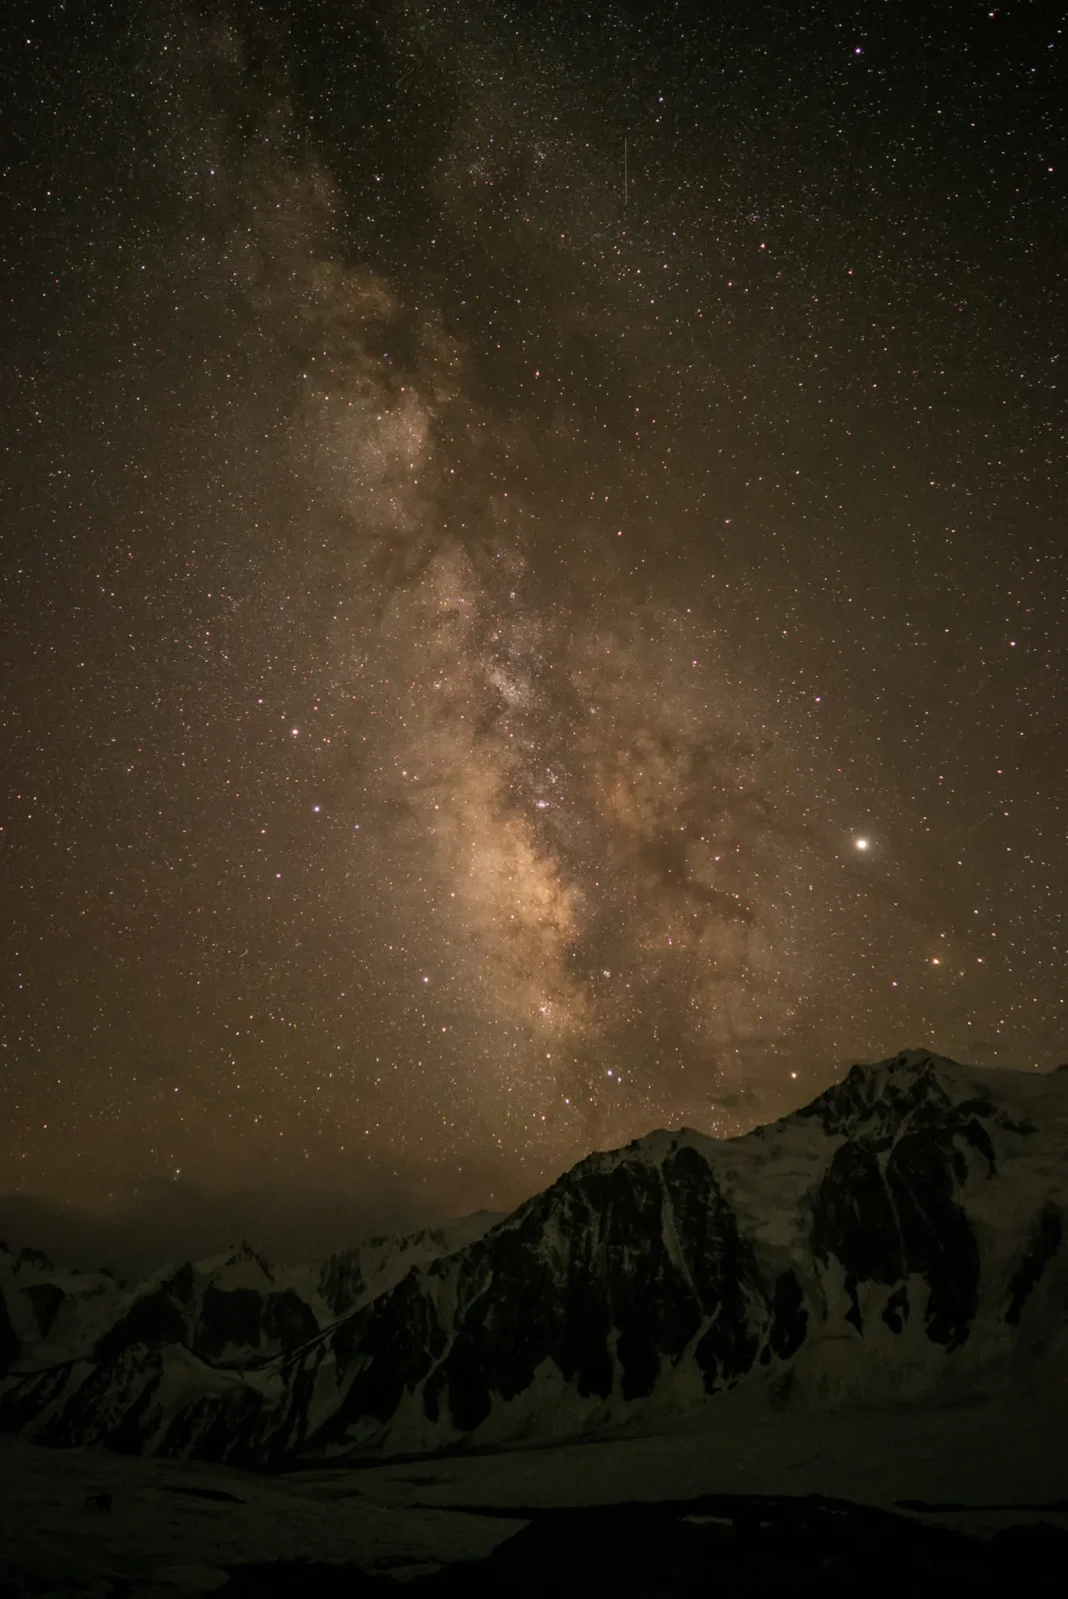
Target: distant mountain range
[[898, 1240], [235, 1309]]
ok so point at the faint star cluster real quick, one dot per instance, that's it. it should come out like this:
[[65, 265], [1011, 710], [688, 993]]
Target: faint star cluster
[[500, 651]]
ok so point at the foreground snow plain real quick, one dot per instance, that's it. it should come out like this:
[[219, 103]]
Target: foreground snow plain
[[180, 1527], [177, 1527]]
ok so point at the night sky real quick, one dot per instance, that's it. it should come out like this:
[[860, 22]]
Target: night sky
[[533, 586]]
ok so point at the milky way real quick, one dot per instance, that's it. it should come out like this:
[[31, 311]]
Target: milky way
[[511, 640]]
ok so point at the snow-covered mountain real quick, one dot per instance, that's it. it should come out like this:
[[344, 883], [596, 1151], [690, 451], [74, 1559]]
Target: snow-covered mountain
[[234, 1309], [897, 1240], [50, 1313]]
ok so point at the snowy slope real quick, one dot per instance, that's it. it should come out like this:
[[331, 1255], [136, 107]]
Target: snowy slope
[[898, 1241]]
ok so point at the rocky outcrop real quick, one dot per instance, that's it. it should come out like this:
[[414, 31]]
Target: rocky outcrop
[[1042, 1246], [9, 1342]]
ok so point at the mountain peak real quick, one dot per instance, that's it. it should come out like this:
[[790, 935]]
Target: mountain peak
[[894, 1087], [243, 1254], [242, 1250]]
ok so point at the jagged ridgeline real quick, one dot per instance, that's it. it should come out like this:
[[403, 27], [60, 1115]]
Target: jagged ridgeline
[[898, 1240]]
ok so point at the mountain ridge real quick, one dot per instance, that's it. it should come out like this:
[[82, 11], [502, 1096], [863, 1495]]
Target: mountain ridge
[[898, 1239]]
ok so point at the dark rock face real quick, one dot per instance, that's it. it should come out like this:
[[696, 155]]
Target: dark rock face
[[854, 1218], [228, 1316], [896, 1310], [46, 1299], [888, 1207], [210, 1320], [1043, 1244], [341, 1281], [250, 1319], [103, 1405], [885, 1219], [612, 1270], [9, 1343], [27, 1398], [157, 1318], [923, 1173], [34, 1257], [392, 1350], [789, 1324]]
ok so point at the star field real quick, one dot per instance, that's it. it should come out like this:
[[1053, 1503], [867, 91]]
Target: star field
[[533, 586]]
